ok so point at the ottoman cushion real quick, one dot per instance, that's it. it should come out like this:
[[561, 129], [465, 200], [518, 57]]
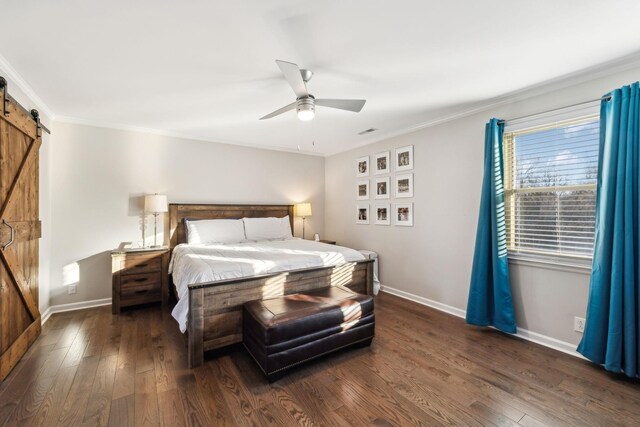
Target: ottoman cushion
[[284, 331]]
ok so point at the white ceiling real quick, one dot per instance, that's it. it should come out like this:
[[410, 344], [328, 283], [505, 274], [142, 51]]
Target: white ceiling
[[205, 69]]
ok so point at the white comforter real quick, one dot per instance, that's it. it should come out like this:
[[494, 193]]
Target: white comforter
[[204, 263]]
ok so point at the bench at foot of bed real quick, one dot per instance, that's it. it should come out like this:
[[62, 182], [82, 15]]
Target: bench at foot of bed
[[286, 331]]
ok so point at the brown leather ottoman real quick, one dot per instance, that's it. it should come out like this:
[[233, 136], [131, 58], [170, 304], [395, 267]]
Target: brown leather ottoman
[[286, 331]]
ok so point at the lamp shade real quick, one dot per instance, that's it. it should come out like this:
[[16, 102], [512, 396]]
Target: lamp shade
[[303, 209], [155, 203]]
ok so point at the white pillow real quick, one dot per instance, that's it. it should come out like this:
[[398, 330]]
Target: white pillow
[[209, 231], [267, 228]]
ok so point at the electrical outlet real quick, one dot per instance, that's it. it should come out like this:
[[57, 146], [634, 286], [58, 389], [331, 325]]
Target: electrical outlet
[[72, 289], [578, 324]]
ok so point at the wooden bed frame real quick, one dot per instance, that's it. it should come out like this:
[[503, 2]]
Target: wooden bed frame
[[215, 308]]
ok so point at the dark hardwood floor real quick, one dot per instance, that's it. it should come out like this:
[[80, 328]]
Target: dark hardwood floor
[[424, 368]]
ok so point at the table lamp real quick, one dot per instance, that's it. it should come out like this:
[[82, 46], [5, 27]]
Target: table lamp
[[155, 204], [303, 210]]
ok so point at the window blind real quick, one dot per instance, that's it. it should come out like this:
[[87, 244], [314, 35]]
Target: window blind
[[550, 187]]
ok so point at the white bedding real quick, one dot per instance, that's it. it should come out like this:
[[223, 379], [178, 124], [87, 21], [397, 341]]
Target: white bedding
[[204, 263]]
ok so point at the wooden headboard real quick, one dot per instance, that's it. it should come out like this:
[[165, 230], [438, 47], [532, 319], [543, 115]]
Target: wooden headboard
[[178, 212]]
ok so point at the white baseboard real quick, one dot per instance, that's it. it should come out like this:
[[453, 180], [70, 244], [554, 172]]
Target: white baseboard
[[550, 342], [61, 308], [425, 301], [525, 334], [44, 316]]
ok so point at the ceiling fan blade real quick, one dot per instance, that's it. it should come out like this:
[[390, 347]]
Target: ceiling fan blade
[[354, 105], [284, 109], [292, 74]]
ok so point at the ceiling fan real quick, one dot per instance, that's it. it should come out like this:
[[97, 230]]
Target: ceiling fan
[[305, 103]]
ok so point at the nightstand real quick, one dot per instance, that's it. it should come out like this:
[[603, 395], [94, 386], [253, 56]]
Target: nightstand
[[139, 276], [328, 242]]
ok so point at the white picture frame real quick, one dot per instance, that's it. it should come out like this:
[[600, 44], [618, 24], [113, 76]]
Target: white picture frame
[[362, 213], [382, 214], [403, 214], [362, 166], [404, 186], [362, 190], [381, 164], [382, 188], [403, 160]]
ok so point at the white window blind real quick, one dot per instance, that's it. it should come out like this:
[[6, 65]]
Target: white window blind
[[550, 188]]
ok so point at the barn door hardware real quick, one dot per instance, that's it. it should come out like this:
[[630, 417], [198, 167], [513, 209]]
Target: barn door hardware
[[13, 235], [39, 126], [36, 117], [5, 95], [34, 113]]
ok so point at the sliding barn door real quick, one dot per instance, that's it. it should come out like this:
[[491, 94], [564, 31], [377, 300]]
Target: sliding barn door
[[19, 234]]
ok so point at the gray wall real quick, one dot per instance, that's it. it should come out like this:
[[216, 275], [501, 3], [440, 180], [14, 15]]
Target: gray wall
[[433, 259], [99, 176]]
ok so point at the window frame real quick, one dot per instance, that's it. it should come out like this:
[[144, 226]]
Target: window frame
[[540, 122]]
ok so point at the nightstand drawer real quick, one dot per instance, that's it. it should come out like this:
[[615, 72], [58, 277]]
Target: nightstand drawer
[[139, 277], [144, 292], [141, 264], [140, 288], [140, 280]]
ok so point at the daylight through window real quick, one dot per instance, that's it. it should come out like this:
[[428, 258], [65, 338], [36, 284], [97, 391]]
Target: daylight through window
[[550, 188]]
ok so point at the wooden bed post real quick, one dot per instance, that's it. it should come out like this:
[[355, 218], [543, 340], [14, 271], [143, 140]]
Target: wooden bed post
[[369, 279], [196, 327]]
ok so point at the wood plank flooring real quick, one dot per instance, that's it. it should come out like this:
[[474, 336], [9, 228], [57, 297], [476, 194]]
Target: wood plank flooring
[[424, 368]]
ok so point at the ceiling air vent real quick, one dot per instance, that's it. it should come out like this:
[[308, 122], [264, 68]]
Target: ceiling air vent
[[364, 132]]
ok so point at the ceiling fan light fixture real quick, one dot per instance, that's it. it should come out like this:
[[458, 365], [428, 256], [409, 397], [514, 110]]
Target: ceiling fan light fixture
[[305, 103], [306, 115], [306, 109]]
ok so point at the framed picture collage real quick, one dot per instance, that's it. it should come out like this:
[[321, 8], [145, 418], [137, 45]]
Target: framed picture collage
[[375, 182]]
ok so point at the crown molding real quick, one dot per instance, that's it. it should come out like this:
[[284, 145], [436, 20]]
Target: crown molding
[[159, 132], [565, 81], [15, 78], [588, 74]]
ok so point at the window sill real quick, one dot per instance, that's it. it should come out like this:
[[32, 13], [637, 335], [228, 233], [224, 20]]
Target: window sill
[[551, 263]]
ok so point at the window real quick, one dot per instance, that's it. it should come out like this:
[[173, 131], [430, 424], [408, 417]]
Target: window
[[550, 188]]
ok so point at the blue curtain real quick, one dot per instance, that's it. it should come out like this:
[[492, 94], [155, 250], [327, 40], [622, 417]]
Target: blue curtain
[[611, 332], [490, 301]]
